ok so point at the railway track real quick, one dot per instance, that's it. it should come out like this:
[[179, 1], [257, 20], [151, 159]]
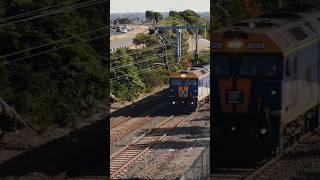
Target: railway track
[[118, 121], [133, 152], [117, 133], [280, 163], [262, 170], [244, 173], [121, 126], [96, 166]]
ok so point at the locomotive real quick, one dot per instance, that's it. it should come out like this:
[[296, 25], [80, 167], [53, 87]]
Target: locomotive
[[266, 84], [190, 87]]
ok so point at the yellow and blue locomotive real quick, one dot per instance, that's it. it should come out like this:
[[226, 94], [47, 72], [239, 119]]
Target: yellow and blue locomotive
[[188, 88], [266, 84]]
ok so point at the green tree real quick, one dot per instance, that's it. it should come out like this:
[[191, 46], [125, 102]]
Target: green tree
[[174, 14], [61, 85], [157, 16], [148, 40], [191, 17], [150, 15], [124, 21], [126, 83]]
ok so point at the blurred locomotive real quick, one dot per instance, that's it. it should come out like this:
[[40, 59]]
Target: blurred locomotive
[[266, 83], [189, 88]]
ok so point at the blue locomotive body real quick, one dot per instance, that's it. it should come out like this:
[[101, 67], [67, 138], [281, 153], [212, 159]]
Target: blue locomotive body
[[190, 87]]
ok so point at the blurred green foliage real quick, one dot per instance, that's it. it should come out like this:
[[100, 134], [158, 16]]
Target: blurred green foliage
[[59, 86], [234, 11]]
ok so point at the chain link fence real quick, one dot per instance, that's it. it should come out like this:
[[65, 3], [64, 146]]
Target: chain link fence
[[200, 168]]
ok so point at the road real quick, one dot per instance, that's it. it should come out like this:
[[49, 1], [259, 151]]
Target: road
[[118, 40]]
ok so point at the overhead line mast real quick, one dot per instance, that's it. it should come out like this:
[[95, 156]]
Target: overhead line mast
[[178, 36]]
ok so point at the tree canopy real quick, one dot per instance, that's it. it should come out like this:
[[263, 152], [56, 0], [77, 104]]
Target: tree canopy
[[59, 82]]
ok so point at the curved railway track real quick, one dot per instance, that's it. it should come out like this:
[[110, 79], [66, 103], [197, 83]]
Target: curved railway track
[[134, 151], [96, 166]]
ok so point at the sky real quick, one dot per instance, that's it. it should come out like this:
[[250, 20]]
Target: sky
[[123, 6]]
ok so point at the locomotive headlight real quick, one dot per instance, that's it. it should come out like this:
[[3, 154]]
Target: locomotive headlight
[[183, 75], [263, 131], [273, 92], [173, 102], [233, 128], [234, 44], [191, 102]]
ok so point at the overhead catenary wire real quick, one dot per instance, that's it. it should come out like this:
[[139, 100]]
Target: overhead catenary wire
[[54, 49], [128, 75], [53, 42], [146, 49], [33, 12], [221, 2], [137, 62], [140, 72], [77, 6]]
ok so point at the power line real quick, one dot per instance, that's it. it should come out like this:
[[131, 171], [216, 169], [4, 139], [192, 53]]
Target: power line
[[132, 63], [33, 12], [51, 50], [53, 42], [147, 49], [77, 6], [128, 75], [221, 2], [140, 72], [136, 62]]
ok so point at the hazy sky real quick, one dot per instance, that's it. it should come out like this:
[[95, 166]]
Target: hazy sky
[[122, 6]]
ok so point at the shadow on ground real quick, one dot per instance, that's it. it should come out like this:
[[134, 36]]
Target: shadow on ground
[[138, 107], [61, 154]]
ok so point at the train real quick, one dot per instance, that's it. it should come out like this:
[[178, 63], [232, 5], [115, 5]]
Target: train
[[266, 84], [189, 88]]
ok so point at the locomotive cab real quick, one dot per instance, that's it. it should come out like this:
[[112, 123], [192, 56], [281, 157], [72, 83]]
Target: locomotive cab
[[189, 87], [247, 75], [184, 92], [248, 89]]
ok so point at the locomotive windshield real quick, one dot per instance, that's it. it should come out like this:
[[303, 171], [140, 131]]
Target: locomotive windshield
[[221, 65], [183, 82], [252, 65]]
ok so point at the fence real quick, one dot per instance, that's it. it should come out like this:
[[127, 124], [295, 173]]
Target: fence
[[200, 168]]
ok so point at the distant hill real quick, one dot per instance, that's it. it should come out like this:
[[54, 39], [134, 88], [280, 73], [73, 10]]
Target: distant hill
[[140, 16]]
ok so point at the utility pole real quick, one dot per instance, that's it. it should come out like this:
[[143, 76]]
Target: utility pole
[[205, 30], [164, 46], [196, 54], [178, 35], [178, 44]]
